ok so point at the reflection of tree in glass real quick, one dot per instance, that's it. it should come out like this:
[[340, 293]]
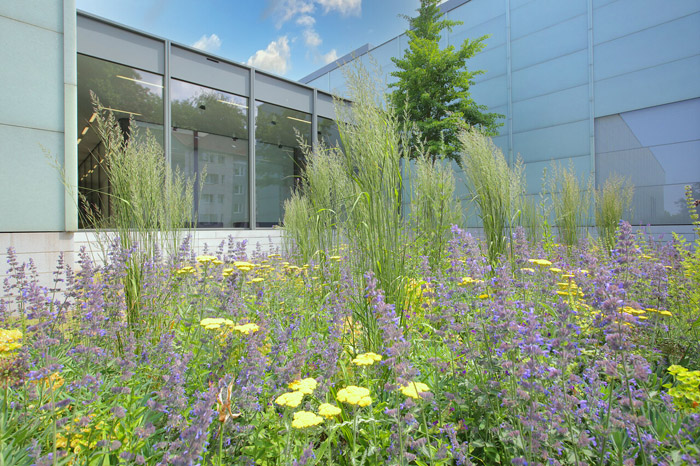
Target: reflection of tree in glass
[[205, 112], [683, 216], [122, 93], [274, 127]]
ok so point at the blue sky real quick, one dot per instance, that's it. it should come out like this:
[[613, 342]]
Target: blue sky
[[291, 38]]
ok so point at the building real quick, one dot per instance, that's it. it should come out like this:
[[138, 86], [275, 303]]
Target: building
[[606, 85], [238, 122], [610, 86]]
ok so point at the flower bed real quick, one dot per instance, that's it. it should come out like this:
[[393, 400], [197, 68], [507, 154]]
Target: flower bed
[[555, 356]]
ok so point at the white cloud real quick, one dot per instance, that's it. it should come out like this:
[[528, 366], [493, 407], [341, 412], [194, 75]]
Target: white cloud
[[345, 7], [306, 21], [287, 9], [211, 43], [274, 58], [329, 57], [311, 38]]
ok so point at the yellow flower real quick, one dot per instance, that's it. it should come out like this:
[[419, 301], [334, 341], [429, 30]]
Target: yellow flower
[[206, 259], [367, 359], [527, 269], [291, 399], [306, 386], [10, 340], [227, 272], [335, 258], [303, 419], [483, 296], [414, 389], [185, 270], [665, 313], [215, 323], [327, 410], [555, 269], [53, 381], [540, 262], [246, 329], [243, 266], [256, 280], [469, 280], [354, 395]]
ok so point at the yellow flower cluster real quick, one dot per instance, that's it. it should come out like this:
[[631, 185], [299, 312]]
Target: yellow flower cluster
[[367, 359], [291, 399], [569, 288], [354, 395], [540, 262], [303, 419], [206, 259], [661, 313], [10, 340], [188, 270], [305, 386], [215, 323], [468, 281], [414, 389], [244, 266], [328, 411]]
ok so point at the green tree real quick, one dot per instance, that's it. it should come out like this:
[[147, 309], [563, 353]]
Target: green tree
[[432, 90]]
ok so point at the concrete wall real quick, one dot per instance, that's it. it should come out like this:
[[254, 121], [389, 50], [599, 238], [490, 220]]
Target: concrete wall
[[36, 35]]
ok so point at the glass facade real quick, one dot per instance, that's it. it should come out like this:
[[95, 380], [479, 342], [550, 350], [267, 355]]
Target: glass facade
[[279, 158], [210, 135], [328, 133], [658, 148], [128, 93]]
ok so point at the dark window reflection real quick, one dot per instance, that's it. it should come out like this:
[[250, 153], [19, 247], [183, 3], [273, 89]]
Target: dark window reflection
[[279, 159], [210, 132], [126, 92], [328, 133]]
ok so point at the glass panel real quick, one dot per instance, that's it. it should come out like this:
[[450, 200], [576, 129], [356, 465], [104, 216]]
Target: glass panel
[[659, 157], [210, 132], [328, 133], [279, 159], [127, 92]]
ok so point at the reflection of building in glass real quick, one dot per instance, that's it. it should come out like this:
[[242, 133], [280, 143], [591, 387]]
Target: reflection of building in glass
[[575, 78]]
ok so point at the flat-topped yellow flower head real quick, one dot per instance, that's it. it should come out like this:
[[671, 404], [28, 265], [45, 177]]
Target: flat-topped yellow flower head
[[540, 262], [214, 323], [290, 399], [303, 419], [354, 395], [306, 386], [246, 329], [206, 259], [10, 340], [367, 359], [414, 389], [327, 410]]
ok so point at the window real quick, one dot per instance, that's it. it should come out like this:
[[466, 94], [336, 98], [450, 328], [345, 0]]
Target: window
[[210, 133], [279, 159], [126, 92]]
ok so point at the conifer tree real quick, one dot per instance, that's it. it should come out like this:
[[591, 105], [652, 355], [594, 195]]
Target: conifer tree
[[432, 90]]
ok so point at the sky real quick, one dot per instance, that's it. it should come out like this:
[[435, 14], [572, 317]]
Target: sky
[[291, 38]]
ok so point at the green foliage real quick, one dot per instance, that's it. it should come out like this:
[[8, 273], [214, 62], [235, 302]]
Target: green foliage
[[570, 202], [434, 208], [612, 200], [494, 187], [433, 84]]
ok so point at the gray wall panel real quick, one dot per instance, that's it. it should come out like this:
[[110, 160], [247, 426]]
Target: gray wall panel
[[645, 14], [670, 82], [275, 91], [197, 68], [555, 142], [540, 14], [111, 43], [553, 75], [491, 60], [654, 46], [552, 109], [324, 106], [561, 39]]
